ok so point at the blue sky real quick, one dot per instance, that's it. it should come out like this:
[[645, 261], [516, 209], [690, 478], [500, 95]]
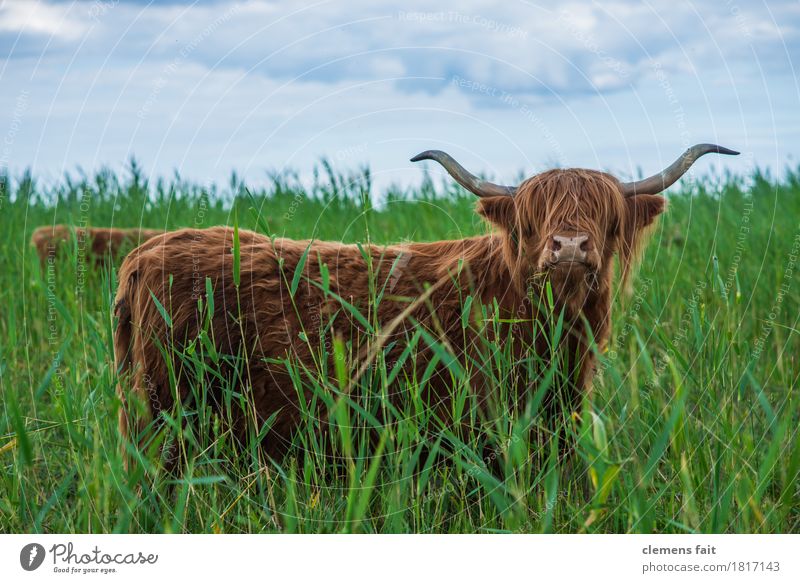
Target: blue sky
[[511, 87]]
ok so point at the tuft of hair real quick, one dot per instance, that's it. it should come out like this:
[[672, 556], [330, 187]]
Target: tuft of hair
[[588, 197]]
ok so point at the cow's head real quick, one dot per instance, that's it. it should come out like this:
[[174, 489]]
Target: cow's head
[[567, 225]]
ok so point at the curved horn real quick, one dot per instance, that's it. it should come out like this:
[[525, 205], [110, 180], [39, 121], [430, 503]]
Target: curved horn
[[469, 181], [667, 177]]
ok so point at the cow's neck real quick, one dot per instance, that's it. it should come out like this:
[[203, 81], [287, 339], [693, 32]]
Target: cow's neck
[[477, 263]]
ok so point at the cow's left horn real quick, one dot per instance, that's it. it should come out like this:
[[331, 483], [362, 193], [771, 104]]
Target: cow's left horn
[[674, 171], [469, 181]]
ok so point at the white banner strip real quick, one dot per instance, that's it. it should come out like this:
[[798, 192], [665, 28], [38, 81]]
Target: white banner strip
[[403, 558]]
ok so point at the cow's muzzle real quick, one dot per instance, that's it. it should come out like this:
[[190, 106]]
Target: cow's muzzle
[[569, 250], [570, 258]]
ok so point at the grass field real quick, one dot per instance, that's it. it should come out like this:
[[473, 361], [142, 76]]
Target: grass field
[[692, 425]]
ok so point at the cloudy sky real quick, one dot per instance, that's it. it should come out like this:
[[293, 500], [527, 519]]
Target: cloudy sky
[[207, 87]]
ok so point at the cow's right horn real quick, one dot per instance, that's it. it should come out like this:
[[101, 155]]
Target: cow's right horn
[[469, 181]]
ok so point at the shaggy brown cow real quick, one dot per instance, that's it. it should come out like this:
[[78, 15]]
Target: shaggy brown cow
[[99, 243], [564, 226]]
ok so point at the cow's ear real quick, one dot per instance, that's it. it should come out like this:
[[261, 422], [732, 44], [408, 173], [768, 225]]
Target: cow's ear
[[643, 210], [499, 210]]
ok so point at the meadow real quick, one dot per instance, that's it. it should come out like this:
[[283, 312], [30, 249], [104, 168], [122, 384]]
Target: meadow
[[692, 425]]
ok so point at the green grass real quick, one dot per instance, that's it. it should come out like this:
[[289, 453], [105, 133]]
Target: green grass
[[692, 425]]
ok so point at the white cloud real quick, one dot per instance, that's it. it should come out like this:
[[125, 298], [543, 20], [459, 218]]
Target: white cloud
[[40, 18], [210, 87], [574, 49]]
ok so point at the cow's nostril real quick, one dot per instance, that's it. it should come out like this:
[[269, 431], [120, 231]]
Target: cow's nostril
[[556, 245], [585, 245]]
